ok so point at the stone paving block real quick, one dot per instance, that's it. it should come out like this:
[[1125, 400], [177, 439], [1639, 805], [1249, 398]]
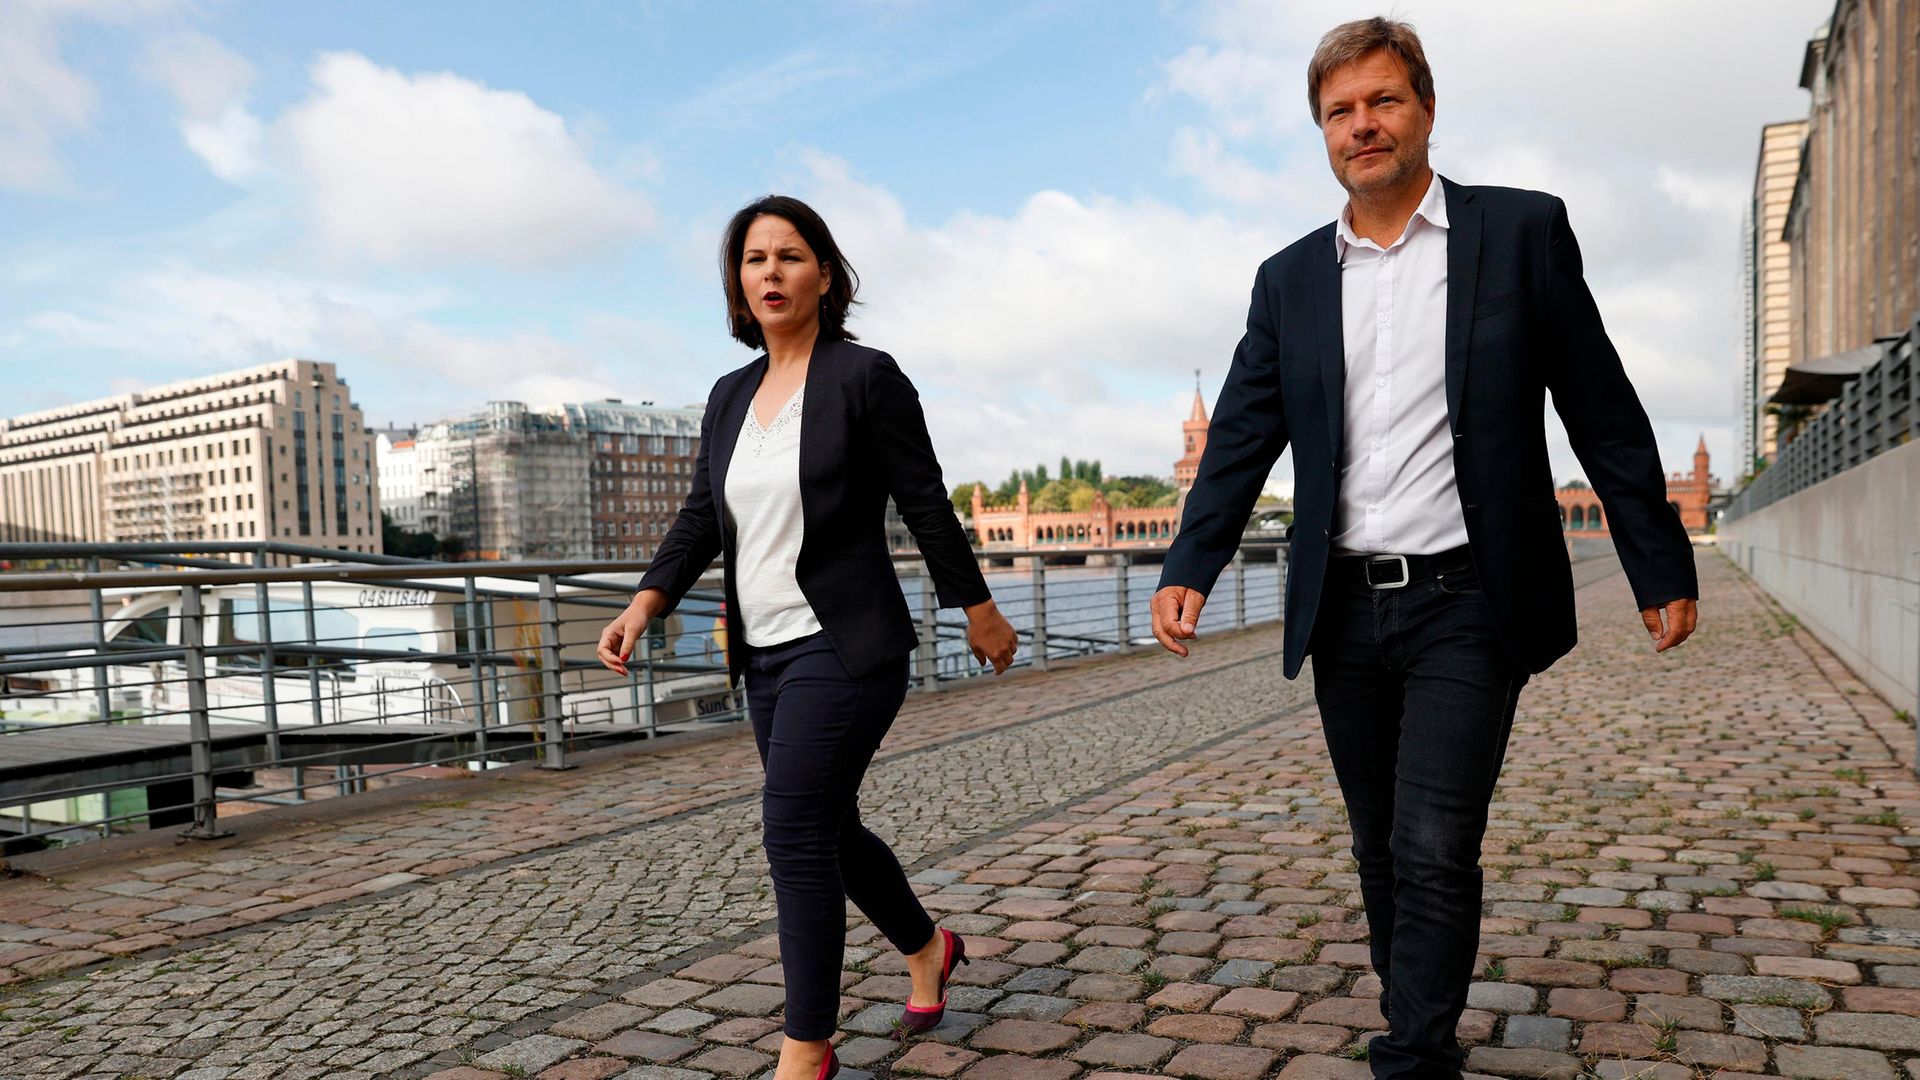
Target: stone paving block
[[1124, 1051], [1526, 1064], [1257, 1004], [583, 1069], [1666, 1010], [745, 999], [1033, 1007], [1015, 1067], [648, 1046], [1769, 1022], [600, 1022], [934, 1059], [531, 1054], [1538, 1033], [1832, 1063], [1317, 1067], [1765, 990], [1882, 1031], [1642, 1070], [1024, 1037], [1220, 1063], [666, 993], [1502, 997]]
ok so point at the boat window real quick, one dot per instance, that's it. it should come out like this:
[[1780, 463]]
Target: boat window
[[396, 638], [287, 622], [151, 627]]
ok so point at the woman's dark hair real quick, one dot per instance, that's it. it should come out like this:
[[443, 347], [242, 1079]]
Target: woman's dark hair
[[842, 282]]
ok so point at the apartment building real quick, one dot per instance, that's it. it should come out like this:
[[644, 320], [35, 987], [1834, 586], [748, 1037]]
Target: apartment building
[[273, 452]]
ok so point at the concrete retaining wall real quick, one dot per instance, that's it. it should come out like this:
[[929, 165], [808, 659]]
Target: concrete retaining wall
[[1844, 557]]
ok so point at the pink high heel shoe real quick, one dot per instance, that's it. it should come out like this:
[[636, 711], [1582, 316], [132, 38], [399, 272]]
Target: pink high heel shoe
[[829, 1068], [919, 1021]]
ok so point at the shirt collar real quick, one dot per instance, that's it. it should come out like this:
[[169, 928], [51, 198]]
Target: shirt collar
[[1432, 210]]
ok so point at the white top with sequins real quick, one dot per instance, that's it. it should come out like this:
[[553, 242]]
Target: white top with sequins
[[763, 497]]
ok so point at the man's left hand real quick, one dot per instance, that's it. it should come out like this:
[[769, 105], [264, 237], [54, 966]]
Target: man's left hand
[[1672, 624]]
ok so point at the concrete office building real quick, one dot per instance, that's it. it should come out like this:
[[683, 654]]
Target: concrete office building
[[1769, 289], [1852, 223], [274, 452]]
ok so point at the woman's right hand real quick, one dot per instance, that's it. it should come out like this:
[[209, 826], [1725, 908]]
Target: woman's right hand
[[616, 641]]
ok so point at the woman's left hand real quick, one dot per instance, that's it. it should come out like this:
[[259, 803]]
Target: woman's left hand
[[991, 636]]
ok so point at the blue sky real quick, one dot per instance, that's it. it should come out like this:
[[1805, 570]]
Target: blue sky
[[1056, 207]]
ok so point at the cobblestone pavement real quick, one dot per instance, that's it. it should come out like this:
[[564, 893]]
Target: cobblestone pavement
[[651, 856], [1697, 867], [96, 902]]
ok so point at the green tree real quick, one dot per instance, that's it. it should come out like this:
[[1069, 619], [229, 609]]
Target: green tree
[[963, 496], [1052, 498], [406, 543], [1080, 499]]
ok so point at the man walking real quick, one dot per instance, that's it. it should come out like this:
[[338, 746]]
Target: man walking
[[1405, 351]]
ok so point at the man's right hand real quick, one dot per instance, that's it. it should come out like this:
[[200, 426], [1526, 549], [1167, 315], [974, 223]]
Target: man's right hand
[[1176, 616], [617, 640]]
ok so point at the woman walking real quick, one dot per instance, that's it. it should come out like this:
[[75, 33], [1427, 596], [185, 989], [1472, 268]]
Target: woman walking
[[799, 452]]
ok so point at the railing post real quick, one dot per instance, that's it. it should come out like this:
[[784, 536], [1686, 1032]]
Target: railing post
[[1122, 617], [927, 653], [640, 685], [102, 694], [269, 699], [1039, 613], [1240, 589], [206, 814], [552, 732], [649, 694], [482, 705], [313, 642]]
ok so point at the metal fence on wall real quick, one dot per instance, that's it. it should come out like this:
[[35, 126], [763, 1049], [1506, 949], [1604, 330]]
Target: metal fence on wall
[[1876, 412], [146, 686]]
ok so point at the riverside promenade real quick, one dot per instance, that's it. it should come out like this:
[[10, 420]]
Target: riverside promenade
[[1698, 866]]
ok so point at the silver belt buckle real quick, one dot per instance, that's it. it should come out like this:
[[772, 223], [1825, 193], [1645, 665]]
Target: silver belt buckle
[[1386, 560]]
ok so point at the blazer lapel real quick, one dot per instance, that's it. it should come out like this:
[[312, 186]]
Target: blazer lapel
[[813, 428], [1323, 271], [726, 433], [1463, 274]]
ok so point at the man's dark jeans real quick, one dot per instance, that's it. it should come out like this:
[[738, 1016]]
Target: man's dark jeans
[[1417, 697]]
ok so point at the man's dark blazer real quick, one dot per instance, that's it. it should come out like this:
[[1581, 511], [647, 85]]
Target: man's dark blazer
[[863, 438], [1519, 322]]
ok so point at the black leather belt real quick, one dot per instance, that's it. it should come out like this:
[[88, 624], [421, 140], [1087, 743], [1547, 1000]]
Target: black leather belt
[[1399, 571]]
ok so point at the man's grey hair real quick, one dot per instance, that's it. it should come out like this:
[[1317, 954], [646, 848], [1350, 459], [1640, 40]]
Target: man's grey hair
[[1348, 42]]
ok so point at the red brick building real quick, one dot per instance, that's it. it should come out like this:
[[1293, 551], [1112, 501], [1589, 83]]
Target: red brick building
[[1688, 493], [1102, 524]]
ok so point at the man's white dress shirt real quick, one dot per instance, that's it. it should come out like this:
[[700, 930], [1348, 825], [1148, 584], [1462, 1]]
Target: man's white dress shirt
[[1397, 489]]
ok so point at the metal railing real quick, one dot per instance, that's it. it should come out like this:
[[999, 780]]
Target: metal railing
[[1876, 412], [147, 686]]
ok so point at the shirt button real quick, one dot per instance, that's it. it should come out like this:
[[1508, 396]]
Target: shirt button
[[1379, 382], [1383, 320]]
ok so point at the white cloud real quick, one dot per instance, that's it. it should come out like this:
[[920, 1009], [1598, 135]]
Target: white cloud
[[42, 97], [210, 83], [179, 318], [437, 168], [1077, 321]]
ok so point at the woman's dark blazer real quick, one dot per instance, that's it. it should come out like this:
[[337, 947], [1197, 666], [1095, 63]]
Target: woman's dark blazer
[[863, 438]]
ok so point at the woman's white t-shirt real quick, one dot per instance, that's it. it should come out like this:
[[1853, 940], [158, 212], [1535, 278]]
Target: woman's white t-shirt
[[763, 497]]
